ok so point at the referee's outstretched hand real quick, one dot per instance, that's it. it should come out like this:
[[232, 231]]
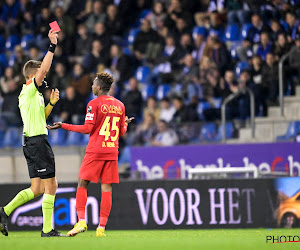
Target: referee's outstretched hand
[[56, 125]]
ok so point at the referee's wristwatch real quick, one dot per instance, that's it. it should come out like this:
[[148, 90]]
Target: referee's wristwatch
[[51, 104]]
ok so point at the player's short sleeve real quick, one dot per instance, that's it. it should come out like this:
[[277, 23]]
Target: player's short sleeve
[[91, 112], [31, 87]]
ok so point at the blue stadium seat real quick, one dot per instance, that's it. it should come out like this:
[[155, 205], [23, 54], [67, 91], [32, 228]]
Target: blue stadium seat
[[12, 137], [201, 107], [142, 74], [208, 132], [291, 133], [216, 32], [232, 33], [11, 42], [229, 132], [132, 35], [240, 66], [27, 41], [245, 29], [57, 137], [217, 102], [73, 139], [162, 91], [147, 91], [199, 30], [12, 60], [3, 60]]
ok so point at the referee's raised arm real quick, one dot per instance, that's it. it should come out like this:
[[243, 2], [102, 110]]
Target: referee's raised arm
[[47, 61]]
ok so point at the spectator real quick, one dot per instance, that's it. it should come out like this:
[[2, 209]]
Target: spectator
[[119, 64], [98, 15], [148, 43], [65, 5], [133, 99], [265, 45], [35, 53], [183, 114], [157, 16], [60, 56], [165, 135], [186, 43], [242, 108], [218, 53], [145, 131], [199, 47], [293, 23], [83, 42], [65, 22], [81, 82], [187, 74], [60, 79], [96, 57], [10, 115], [72, 111], [20, 60], [270, 79], [294, 60], [258, 88], [276, 29], [27, 23], [172, 53], [42, 28], [282, 46], [5, 80], [167, 110], [258, 27], [9, 15], [244, 51], [152, 108], [181, 28], [113, 22], [101, 35], [66, 43]]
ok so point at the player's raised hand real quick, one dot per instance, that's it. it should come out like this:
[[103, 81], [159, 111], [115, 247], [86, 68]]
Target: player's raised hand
[[128, 120], [53, 36], [54, 97], [56, 125]]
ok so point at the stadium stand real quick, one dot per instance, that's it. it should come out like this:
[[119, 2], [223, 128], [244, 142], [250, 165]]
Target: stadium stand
[[173, 48]]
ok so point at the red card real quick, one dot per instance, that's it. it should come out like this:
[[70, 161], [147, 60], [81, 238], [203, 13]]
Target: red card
[[54, 25]]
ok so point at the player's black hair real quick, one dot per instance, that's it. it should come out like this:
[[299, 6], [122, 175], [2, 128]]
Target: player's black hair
[[105, 81]]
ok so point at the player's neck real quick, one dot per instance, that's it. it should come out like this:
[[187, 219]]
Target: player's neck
[[103, 93]]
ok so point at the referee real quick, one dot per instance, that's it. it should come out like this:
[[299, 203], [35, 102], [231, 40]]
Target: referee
[[36, 148]]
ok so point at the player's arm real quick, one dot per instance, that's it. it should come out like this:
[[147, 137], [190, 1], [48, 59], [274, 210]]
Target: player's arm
[[90, 118], [124, 123], [54, 97], [47, 61], [84, 129]]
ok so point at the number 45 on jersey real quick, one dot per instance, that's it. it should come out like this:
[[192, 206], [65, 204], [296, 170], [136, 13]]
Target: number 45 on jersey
[[106, 130]]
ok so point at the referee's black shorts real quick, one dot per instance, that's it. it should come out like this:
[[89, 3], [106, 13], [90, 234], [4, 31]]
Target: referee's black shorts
[[39, 157]]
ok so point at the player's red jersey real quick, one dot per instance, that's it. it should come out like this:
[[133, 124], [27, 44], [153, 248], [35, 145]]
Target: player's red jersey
[[107, 114]]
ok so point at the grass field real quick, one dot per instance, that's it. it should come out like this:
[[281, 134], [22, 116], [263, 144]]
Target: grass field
[[150, 239]]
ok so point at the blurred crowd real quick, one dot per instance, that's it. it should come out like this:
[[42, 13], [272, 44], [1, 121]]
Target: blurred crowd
[[174, 61]]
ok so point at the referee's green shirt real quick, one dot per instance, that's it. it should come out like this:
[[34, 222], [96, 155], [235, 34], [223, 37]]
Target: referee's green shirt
[[32, 107]]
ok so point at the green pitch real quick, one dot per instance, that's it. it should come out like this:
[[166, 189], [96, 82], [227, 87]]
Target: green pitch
[[160, 239]]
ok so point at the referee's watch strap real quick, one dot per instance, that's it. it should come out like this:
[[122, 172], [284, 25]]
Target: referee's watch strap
[[51, 104]]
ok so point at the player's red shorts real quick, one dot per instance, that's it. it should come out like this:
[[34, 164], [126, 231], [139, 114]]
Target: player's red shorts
[[92, 169]]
